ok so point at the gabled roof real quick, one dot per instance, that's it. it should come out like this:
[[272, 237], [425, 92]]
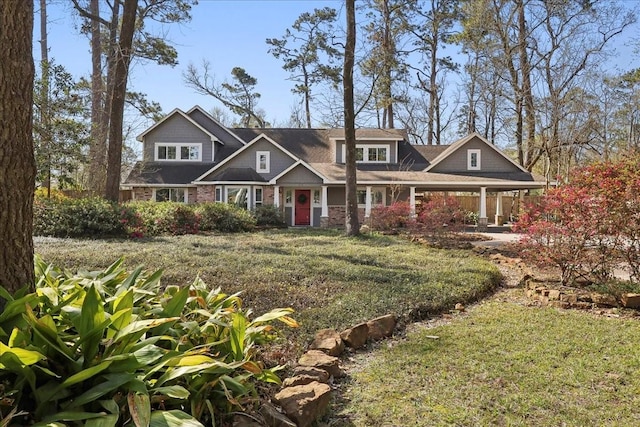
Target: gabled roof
[[461, 142], [260, 137], [275, 179], [214, 120], [181, 113]]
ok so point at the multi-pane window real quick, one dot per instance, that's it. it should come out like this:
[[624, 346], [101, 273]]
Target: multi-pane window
[[377, 196], [263, 161], [237, 196], [178, 152], [369, 153], [473, 159], [171, 195]]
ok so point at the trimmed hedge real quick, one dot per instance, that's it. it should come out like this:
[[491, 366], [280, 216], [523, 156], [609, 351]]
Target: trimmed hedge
[[96, 217]]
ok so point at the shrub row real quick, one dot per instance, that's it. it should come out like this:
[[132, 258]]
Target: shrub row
[[96, 217]]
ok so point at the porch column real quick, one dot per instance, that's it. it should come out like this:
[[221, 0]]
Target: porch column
[[324, 213], [412, 201], [482, 217], [276, 196], [499, 216], [367, 205]]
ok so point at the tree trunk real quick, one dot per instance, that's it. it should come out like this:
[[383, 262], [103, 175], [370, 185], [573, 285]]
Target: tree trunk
[[44, 94], [99, 120], [121, 72], [351, 220], [17, 162]]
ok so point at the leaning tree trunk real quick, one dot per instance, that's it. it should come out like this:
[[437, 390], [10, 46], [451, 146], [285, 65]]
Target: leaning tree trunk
[[17, 162]]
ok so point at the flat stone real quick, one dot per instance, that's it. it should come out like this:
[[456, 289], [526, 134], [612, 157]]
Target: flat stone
[[304, 403], [300, 380], [381, 327], [630, 300], [328, 341], [604, 299], [554, 295], [245, 420], [320, 375], [320, 360], [273, 417], [356, 337]]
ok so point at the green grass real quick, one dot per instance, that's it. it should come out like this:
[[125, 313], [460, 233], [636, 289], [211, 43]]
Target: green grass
[[503, 365], [330, 280]]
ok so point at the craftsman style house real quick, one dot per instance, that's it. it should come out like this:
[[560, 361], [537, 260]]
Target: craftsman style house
[[190, 157]]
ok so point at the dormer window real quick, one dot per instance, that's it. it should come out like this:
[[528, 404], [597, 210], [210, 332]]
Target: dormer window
[[177, 152], [369, 153], [263, 161], [473, 160]]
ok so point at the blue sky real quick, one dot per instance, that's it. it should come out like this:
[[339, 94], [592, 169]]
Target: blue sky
[[227, 33]]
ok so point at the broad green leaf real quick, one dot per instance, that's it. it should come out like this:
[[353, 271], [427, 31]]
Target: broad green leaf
[[218, 367], [110, 420], [10, 362], [70, 416], [110, 405], [197, 359], [129, 281], [91, 323], [176, 303], [26, 357], [85, 374], [6, 295], [273, 315], [141, 326], [45, 328], [112, 382], [119, 320], [237, 334], [17, 307], [174, 391], [139, 408], [269, 376], [173, 418], [18, 338], [146, 356]]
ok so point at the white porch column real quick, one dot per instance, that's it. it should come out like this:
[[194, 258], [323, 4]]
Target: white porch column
[[367, 205], [482, 217], [324, 213], [499, 216], [276, 196], [412, 201]]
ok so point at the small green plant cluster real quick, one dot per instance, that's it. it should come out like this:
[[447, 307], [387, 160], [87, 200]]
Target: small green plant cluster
[[159, 218], [224, 217], [269, 216], [110, 348]]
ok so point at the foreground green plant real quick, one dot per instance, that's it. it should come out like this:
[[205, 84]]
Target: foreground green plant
[[110, 348]]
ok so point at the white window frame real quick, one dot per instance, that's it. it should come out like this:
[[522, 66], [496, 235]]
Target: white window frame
[[219, 194], [178, 146], [267, 166], [258, 201], [171, 190], [237, 187], [365, 153], [470, 155], [374, 190]]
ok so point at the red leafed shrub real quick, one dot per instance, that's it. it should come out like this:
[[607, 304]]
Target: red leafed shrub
[[590, 226], [440, 215], [392, 217]]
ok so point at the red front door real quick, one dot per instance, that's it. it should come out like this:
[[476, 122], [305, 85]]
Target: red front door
[[303, 207]]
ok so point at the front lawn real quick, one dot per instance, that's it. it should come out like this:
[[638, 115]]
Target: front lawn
[[503, 364], [330, 280]]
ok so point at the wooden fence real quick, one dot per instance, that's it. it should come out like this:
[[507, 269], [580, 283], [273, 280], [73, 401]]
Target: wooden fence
[[510, 204]]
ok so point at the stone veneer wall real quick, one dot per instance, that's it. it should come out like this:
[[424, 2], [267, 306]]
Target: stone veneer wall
[[192, 195], [267, 195]]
